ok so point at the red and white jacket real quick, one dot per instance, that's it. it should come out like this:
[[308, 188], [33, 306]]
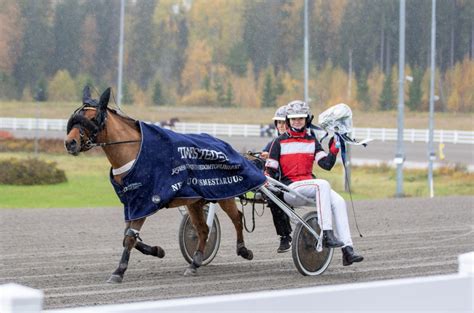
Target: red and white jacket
[[292, 154]]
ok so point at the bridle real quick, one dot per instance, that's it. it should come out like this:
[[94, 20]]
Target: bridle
[[93, 127]]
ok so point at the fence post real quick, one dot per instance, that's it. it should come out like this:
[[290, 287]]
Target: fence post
[[466, 264], [15, 298]]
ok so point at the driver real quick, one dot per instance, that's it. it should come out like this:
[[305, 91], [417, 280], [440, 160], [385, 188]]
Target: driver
[[280, 219], [291, 158]]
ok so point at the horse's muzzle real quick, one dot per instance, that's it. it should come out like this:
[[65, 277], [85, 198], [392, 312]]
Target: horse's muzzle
[[72, 147]]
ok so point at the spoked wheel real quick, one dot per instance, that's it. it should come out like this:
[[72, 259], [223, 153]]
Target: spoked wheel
[[308, 261], [188, 239]]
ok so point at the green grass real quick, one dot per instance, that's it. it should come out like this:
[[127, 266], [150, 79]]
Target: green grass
[[88, 184], [369, 182]]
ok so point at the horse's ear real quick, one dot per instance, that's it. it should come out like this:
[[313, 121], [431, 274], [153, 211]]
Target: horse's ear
[[86, 95], [104, 99]]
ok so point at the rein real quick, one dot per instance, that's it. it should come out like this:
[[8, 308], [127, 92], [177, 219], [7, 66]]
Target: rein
[[103, 144], [341, 141]]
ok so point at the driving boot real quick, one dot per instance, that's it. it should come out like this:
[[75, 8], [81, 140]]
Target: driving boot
[[349, 256], [285, 244], [330, 241]]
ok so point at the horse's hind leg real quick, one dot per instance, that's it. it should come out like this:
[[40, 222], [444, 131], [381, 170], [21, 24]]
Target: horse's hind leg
[[229, 207], [196, 213], [131, 235]]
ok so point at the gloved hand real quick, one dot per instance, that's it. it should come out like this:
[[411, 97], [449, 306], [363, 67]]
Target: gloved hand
[[309, 121], [332, 146], [266, 184]]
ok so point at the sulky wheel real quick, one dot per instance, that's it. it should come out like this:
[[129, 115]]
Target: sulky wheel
[[308, 261], [188, 239]]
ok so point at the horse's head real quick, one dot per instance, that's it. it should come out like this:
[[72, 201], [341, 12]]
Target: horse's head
[[86, 122]]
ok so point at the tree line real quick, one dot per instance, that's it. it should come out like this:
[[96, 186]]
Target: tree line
[[237, 53]]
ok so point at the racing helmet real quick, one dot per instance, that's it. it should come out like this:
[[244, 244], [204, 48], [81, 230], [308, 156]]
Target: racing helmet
[[298, 109], [280, 114]]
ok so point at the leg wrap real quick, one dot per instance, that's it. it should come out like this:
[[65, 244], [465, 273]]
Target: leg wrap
[[148, 250], [130, 232]]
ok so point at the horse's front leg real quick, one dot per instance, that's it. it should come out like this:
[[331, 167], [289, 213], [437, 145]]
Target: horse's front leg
[[196, 213], [229, 207], [129, 241], [150, 250]]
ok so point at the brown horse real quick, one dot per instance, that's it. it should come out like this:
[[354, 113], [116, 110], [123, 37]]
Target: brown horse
[[94, 124]]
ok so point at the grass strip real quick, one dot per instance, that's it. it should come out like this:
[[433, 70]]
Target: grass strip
[[88, 183]]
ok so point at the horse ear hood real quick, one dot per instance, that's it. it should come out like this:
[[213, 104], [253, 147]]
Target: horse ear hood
[[104, 99], [101, 114], [86, 97]]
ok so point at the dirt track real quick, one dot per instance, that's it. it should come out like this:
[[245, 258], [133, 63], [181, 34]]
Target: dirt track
[[69, 253]]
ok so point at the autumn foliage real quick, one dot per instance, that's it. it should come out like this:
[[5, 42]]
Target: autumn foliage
[[237, 53]]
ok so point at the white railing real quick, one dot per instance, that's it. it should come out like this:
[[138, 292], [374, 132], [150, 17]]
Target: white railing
[[252, 130], [442, 293], [32, 123]]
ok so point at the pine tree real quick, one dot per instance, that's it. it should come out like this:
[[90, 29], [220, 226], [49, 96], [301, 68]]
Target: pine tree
[[127, 97], [220, 92], [363, 90], [41, 90], [279, 86], [415, 93], [237, 59], [206, 83], [67, 39], [157, 94], [268, 99], [32, 64], [142, 59], [229, 96], [386, 97]]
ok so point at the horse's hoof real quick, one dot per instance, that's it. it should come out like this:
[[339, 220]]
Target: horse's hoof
[[158, 252], [245, 253], [115, 279], [190, 272], [249, 255], [197, 258]]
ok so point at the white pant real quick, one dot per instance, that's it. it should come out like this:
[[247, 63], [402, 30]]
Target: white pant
[[329, 205]]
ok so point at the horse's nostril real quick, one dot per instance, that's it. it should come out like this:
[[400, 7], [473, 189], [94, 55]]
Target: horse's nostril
[[71, 145]]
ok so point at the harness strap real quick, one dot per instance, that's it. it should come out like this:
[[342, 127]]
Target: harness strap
[[254, 211], [133, 233]]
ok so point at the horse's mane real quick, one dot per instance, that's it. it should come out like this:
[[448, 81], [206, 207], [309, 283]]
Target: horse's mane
[[127, 119]]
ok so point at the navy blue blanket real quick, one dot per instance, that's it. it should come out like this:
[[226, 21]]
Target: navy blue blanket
[[171, 165]]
